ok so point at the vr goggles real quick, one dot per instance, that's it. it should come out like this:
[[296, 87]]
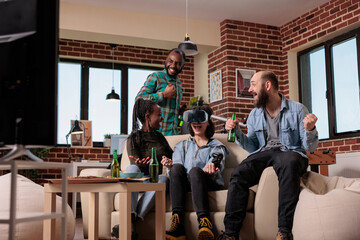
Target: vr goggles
[[195, 116]]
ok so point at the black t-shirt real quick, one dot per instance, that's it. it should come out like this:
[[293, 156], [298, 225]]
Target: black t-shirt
[[143, 142]]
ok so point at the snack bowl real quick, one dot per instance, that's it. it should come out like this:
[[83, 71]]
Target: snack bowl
[[132, 175]]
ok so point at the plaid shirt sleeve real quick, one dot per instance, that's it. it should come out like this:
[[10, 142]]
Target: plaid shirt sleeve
[[151, 89]]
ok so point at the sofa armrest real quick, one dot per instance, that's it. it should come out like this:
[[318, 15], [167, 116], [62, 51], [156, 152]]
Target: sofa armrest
[[266, 205], [106, 204]]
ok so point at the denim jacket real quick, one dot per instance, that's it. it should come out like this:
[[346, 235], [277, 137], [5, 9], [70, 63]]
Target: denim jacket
[[188, 154], [292, 133]]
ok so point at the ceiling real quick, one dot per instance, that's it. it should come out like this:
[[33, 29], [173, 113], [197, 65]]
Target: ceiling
[[269, 12]]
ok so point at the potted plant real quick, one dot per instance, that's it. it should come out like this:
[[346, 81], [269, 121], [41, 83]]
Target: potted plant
[[195, 101], [107, 140]]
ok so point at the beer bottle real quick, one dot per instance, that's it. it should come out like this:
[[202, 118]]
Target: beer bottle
[[231, 133], [115, 165], [154, 167]]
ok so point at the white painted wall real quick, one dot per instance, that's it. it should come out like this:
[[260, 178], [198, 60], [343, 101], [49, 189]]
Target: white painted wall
[[347, 165], [86, 22], [201, 76]]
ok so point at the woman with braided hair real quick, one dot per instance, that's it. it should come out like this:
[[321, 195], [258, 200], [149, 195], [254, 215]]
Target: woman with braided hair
[[144, 136]]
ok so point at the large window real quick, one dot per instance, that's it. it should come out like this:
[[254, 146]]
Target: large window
[[136, 77], [104, 115], [69, 85], [330, 85], [82, 90]]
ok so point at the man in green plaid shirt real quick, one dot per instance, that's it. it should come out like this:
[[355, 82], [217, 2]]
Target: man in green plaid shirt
[[165, 89]]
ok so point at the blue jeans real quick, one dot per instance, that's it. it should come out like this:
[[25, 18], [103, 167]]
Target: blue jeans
[[140, 207], [289, 166]]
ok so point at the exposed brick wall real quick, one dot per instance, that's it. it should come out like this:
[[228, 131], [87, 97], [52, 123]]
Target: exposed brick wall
[[325, 19], [60, 154], [260, 47], [341, 145], [319, 22], [246, 46]]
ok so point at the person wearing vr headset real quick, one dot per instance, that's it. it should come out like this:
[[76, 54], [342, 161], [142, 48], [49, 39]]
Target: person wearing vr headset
[[197, 164], [144, 136], [279, 133], [165, 88]]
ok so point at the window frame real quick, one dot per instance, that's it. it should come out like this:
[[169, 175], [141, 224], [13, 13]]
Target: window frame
[[330, 81], [84, 87]]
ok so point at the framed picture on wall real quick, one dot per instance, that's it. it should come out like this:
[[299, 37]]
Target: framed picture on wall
[[243, 77], [82, 139], [215, 86]]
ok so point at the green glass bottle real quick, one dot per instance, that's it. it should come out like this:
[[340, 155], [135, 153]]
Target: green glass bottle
[[231, 133], [115, 165], [154, 167]]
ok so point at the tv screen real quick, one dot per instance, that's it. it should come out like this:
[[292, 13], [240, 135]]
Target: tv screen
[[28, 71]]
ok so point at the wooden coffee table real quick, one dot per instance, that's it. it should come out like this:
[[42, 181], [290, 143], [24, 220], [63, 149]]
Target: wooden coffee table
[[124, 189]]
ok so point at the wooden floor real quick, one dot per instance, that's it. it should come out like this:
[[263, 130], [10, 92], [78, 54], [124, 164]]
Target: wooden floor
[[79, 235]]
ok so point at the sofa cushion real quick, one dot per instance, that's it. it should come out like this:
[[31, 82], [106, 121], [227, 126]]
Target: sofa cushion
[[217, 201]]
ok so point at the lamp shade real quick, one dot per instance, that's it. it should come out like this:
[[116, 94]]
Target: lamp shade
[[76, 129], [113, 96], [188, 47]]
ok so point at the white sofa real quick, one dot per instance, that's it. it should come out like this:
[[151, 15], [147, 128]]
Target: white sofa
[[109, 202], [261, 218]]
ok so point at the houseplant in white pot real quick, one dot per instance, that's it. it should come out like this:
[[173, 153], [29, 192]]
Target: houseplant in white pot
[[107, 140]]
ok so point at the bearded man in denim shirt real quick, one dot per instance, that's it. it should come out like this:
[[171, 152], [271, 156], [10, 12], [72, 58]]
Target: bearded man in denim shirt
[[279, 133]]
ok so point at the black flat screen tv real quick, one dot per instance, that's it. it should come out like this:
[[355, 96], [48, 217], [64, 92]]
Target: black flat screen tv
[[28, 71]]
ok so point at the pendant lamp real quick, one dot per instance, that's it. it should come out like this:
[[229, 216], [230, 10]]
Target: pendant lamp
[[113, 96], [188, 47]]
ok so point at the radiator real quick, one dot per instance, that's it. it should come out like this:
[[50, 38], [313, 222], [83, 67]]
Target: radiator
[[347, 165]]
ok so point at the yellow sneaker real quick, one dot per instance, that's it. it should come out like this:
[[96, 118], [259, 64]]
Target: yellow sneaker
[[205, 229], [177, 230]]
